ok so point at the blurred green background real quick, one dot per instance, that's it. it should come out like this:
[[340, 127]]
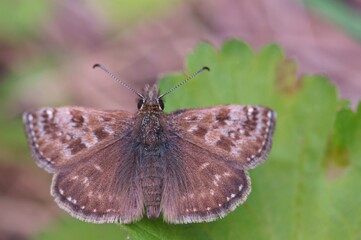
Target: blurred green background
[[47, 49]]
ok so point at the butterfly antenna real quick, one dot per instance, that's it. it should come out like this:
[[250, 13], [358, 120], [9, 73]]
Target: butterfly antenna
[[184, 81], [117, 79]]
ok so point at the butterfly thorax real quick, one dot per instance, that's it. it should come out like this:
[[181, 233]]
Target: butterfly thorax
[[150, 120], [151, 135]]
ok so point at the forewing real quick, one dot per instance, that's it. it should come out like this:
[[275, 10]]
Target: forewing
[[59, 137], [239, 134], [102, 188], [198, 186]]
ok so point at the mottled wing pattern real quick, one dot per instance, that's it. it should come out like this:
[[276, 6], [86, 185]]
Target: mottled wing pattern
[[105, 188], [59, 137], [239, 134], [88, 150], [199, 186]]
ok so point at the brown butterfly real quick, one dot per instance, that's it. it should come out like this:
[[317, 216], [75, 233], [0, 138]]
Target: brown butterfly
[[113, 166]]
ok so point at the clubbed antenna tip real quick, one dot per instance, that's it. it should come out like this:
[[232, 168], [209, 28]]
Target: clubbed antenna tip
[[203, 68]]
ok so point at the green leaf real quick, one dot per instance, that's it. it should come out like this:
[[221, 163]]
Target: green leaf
[[295, 194], [72, 229]]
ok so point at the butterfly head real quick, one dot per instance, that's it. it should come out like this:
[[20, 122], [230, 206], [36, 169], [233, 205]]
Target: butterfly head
[[150, 99]]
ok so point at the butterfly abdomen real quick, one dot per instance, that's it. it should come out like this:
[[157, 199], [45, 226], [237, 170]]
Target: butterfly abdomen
[[152, 173]]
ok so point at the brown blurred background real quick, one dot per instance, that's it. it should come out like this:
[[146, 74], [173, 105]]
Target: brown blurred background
[[48, 49]]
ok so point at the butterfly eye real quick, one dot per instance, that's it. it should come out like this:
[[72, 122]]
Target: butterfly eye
[[161, 103], [140, 103]]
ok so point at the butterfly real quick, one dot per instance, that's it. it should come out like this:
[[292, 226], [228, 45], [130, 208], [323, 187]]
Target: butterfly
[[189, 165]]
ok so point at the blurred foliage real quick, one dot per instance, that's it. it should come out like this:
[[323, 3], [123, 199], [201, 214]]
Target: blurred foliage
[[134, 9], [307, 188], [339, 12], [21, 18]]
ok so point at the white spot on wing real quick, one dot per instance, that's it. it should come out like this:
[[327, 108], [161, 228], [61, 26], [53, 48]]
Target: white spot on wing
[[68, 137], [97, 167], [204, 165], [49, 113], [234, 150], [193, 128], [61, 191], [226, 174], [269, 114], [212, 137], [211, 192], [89, 140], [240, 187], [108, 129], [215, 183], [268, 123], [86, 180]]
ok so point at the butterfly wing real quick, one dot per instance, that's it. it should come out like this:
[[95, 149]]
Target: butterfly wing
[[59, 137], [209, 151], [105, 188], [90, 153], [238, 134], [199, 186]]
